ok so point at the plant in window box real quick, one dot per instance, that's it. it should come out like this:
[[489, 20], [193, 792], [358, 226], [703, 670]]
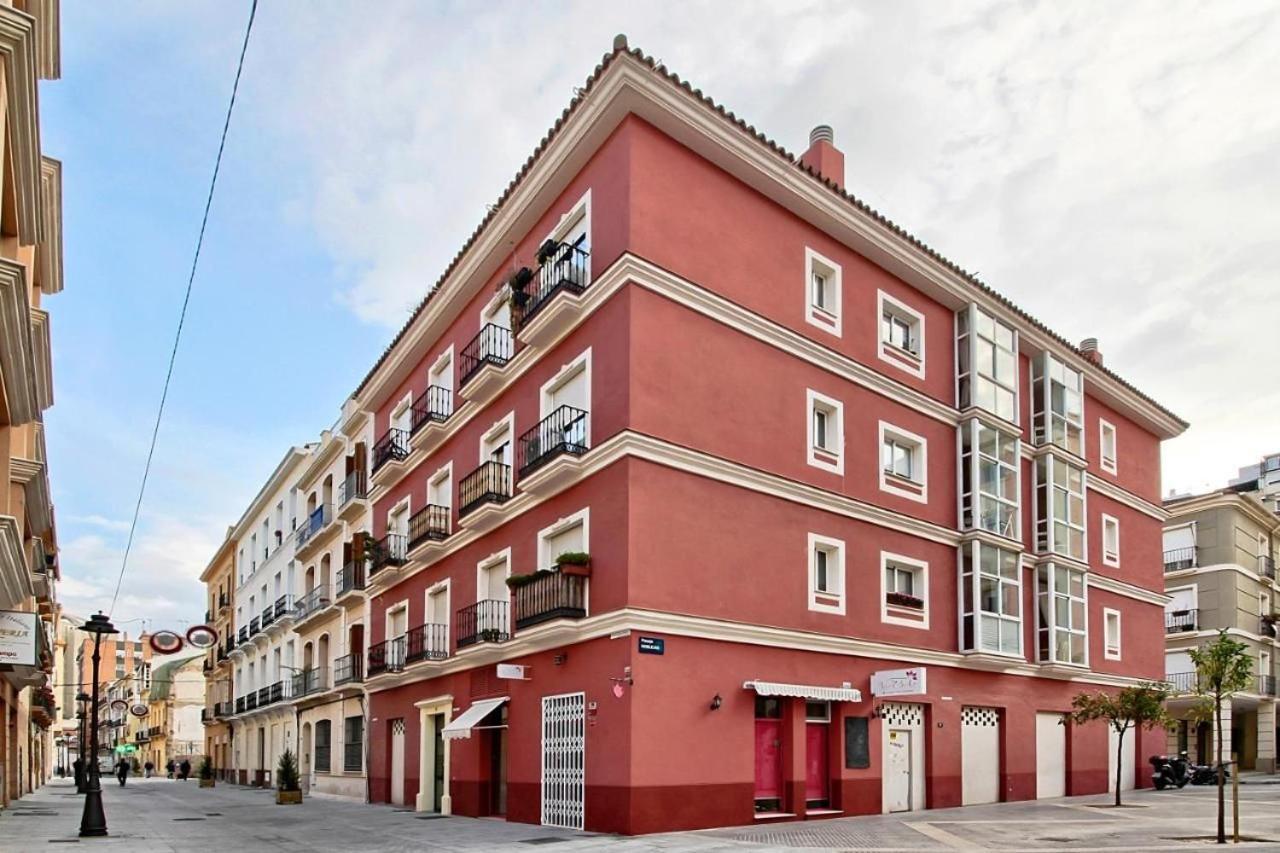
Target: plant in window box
[[288, 791], [206, 772], [902, 599], [575, 563], [517, 283], [489, 635], [547, 251], [517, 581]]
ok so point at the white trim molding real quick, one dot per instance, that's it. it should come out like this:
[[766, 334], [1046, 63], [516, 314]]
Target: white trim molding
[[826, 317], [829, 455], [1107, 653], [912, 362], [916, 486], [897, 615], [829, 601]]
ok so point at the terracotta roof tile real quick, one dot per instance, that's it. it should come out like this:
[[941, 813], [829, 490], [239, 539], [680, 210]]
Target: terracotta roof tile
[[751, 131]]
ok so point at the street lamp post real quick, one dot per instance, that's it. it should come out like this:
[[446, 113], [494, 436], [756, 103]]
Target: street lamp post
[[82, 769], [93, 823]]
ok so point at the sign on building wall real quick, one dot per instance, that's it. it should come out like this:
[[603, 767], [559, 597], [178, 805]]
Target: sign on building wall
[[898, 682], [652, 646], [18, 637]]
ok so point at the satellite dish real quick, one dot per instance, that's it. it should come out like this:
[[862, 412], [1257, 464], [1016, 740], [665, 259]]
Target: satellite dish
[[166, 642], [202, 636]]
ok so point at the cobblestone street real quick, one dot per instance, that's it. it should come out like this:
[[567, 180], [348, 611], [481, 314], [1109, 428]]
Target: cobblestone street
[[160, 815]]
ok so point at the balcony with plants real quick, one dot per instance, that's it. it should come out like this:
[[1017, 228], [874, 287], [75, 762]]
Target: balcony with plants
[[547, 594], [391, 551], [563, 268], [387, 656], [483, 622]]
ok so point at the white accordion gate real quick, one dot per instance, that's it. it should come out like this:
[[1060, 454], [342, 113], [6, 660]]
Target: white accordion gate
[[564, 746]]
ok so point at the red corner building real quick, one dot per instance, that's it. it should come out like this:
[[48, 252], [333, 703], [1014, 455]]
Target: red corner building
[[704, 494]]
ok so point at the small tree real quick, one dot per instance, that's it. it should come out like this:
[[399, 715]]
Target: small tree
[[287, 772], [1132, 707], [1223, 668], [206, 768]]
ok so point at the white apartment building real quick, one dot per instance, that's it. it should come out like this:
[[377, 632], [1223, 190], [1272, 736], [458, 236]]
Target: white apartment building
[[265, 654]]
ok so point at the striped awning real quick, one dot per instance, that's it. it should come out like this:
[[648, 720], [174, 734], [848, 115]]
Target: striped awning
[[461, 725], [804, 691]]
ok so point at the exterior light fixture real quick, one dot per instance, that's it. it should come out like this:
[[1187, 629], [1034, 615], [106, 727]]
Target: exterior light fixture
[[93, 823]]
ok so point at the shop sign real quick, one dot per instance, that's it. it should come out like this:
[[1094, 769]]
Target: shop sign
[[898, 682], [511, 670], [126, 749], [652, 646], [18, 637]]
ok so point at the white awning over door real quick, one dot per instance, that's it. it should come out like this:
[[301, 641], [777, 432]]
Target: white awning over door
[[805, 691], [461, 725]]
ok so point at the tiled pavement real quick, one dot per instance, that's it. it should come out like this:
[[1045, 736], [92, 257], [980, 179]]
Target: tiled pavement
[[161, 815]]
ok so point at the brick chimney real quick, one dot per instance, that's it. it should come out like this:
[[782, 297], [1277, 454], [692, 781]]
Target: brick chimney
[[1089, 349], [823, 156]]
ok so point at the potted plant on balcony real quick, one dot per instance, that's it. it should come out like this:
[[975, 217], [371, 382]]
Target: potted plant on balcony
[[574, 563], [517, 283], [489, 635], [517, 581], [547, 251], [206, 772], [1269, 624], [288, 791]]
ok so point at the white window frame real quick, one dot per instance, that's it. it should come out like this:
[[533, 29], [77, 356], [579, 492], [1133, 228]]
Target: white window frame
[[486, 563], [827, 318], [835, 411], [835, 551], [402, 604], [970, 495], [508, 423], [919, 462], [968, 342], [973, 551], [580, 365], [438, 586], [1046, 539], [1112, 560], [581, 518], [443, 473], [405, 505], [909, 361], [403, 408], [1044, 418], [1106, 428], [1052, 593], [494, 306], [920, 568], [579, 212], [1107, 645]]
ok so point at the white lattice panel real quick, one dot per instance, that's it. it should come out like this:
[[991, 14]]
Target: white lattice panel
[[564, 751], [900, 714]]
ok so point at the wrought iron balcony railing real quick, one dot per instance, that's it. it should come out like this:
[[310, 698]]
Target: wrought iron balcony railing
[[390, 550], [316, 521], [436, 406], [550, 596], [284, 607], [353, 756], [355, 487], [493, 345], [566, 268], [429, 523], [308, 681], [427, 642], [1267, 566], [387, 656], [490, 483], [1178, 621], [483, 622], [350, 577], [1180, 558], [239, 704], [316, 599], [1266, 685], [348, 669], [243, 635], [562, 431], [392, 447], [255, 625], [1181, 682]]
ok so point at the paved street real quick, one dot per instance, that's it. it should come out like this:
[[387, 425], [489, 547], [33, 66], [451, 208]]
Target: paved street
[[160, 815]]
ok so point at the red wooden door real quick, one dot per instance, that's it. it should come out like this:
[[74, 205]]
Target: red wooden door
[[768, 760], [815, 762]]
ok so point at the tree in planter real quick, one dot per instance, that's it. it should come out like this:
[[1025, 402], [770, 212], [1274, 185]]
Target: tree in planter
[[288, 789], [206, 772], [1130, 708], [1223, 668]]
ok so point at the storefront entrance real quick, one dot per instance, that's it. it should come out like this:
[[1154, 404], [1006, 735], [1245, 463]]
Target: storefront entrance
[[768, 745]]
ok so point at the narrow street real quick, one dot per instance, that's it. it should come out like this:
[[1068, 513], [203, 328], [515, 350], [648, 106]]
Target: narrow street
[[161, 815]]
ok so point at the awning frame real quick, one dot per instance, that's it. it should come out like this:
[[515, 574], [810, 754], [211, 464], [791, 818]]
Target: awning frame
[[804, 691]]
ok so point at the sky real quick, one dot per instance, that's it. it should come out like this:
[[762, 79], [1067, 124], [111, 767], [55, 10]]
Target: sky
[[1113, 168]]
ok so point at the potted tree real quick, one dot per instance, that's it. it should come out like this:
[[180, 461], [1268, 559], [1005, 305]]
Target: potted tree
[[576, 563], [288, 791], [206, 772]]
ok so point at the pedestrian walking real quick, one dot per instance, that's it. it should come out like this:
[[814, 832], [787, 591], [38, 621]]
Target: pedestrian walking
[[185, 769], [149, 768], [170, 766], [122, 770]]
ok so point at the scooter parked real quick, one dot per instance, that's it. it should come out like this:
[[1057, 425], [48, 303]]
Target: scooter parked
[[1169, 771], [1207, 774]]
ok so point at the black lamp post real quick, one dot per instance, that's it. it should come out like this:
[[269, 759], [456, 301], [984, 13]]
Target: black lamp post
[[94, 821], [81, 768]]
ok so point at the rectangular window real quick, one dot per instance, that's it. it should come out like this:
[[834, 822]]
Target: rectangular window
[[822, 292], [324, 740], [1060, 507], [826, 432], [1107, 446], [905, 590], [1060, 615], [990, 599], [903, 463], [1111, 622], [987, 363], [1110, 540], [901, 335], [826, 574], [1057, 398], [353, 744], [990, 480], [817, 712]]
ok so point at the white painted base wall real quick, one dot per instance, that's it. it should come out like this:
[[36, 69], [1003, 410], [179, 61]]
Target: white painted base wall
[[1128, 768]]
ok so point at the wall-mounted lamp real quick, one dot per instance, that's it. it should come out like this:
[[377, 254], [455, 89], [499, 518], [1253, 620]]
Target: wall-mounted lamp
[[716, 702]]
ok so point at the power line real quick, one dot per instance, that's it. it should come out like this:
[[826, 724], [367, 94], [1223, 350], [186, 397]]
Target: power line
[[186, 299]]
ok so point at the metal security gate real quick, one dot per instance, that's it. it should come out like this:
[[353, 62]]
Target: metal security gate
[[564, 745]]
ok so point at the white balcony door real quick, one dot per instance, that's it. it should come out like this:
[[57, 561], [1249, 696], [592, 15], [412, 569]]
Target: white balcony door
[[439, 491], [496, 447], [568, 540], [573, 391]]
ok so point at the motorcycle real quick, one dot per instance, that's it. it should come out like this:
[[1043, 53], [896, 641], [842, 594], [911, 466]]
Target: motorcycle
[[1169, 771], [1207, 774]]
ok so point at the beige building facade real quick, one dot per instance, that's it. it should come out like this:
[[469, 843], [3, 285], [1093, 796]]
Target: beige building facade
[[30, 270], [1220, 574], [219, 580]]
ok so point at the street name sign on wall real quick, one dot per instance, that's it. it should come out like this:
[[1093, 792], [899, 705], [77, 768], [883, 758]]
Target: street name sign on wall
[[18, 638], [511, 670], [898, 682], [652, 646]]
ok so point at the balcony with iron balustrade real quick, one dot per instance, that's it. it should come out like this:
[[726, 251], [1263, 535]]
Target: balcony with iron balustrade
[[393, 446], [350, 579], [549, 595], [389, 552], [561, 433], [426, 642], [316, 602], [429, 524], [348, 670], [353, 495], [482, 360], [310, 682], [1178, 559], [488, 484], [311, 533], [1181, 621], [1267, 566], [483, 622], [563, 269], [387, 656], [283, 615]]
